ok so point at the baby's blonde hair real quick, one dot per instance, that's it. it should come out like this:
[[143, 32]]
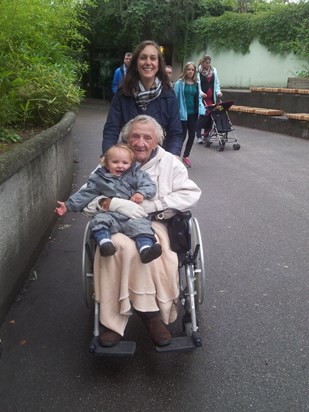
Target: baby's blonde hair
[[104, 158]]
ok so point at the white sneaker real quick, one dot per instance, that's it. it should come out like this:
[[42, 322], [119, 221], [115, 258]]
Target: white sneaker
[[200, 140]]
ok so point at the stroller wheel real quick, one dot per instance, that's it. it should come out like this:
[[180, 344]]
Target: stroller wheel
[[207, 143], [236, 146], [220, 148]]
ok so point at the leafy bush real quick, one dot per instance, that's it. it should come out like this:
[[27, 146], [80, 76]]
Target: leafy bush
[[280, 28], [7, 136], [40, 50], [229, 31], [38, 93]]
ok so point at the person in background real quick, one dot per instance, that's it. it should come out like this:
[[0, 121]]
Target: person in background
[[146, 90], [169, 72], [210, 86], [188, 93], [120, 73]]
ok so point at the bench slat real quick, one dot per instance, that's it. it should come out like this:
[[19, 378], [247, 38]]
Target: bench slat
[[279, 90], [298, 116]]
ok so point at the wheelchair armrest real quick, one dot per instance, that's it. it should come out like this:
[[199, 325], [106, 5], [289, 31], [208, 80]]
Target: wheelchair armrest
[[168, 214]]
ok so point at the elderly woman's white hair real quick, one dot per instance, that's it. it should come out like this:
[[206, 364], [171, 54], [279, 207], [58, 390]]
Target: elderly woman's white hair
[[125, 133]]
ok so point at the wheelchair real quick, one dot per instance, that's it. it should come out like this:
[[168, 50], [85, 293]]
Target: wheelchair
[[191, 287]]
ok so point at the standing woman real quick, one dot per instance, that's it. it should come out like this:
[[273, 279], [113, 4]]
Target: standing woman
[[188, 94], [146, 90], [210, 85]]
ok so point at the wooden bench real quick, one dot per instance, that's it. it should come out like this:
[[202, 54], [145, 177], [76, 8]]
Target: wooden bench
[[279, 90], [270, 112], [298, 116], [257, 110]]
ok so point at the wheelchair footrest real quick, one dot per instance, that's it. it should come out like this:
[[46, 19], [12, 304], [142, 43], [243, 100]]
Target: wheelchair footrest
[[123, 348], [180, 344]]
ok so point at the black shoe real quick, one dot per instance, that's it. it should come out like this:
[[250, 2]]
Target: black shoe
[[150, 253], [107, 249]]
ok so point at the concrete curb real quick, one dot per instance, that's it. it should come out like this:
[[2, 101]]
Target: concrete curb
[[32, 177], [19, 156]]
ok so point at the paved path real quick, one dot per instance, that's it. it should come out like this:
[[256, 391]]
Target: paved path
[[254, 218]]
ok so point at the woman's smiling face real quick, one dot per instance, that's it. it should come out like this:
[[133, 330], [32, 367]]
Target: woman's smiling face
[[148, 64]]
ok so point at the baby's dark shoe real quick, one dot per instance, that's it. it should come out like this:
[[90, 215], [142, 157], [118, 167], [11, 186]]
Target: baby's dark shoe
[[150, 253], [107, 249]]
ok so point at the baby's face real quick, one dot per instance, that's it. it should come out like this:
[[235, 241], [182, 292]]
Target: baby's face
[[118, 161]]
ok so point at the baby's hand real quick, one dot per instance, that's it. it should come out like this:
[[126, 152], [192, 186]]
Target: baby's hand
[[137, 198], [61, 209]]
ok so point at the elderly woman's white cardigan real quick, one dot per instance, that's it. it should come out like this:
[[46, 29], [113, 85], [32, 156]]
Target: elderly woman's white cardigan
[[174, 188]]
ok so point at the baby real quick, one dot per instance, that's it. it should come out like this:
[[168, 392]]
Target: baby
[[119, 177]]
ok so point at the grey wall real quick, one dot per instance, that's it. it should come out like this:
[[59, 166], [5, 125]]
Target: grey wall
[[32, 177]]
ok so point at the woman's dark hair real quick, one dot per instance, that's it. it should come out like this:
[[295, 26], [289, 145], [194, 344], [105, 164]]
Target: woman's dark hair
[[132, 76]]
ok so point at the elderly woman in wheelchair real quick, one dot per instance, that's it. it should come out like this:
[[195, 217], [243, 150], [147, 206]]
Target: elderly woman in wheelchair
[[121, 283]]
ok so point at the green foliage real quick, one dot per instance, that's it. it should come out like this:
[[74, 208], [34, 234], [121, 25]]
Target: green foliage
[[7, 136], [280, 28], [121, 24], [41, 47], [231, 31], [212, 7], [188, 25]]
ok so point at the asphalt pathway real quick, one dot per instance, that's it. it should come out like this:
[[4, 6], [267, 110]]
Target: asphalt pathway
[[254, 219]]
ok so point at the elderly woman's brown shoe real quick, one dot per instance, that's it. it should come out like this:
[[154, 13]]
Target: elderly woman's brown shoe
[[109, 338], [157, 331]]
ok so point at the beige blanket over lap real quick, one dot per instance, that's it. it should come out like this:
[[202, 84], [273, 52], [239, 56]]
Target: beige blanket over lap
[[122, 279]]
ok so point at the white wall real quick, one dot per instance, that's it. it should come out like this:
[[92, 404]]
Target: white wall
[[257, 68]]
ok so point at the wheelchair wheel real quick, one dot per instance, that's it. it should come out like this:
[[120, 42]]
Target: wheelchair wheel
[[199, 266], [87, 267], [189, 320]]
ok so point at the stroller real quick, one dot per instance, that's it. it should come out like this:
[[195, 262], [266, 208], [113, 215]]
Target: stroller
[[217, 126]]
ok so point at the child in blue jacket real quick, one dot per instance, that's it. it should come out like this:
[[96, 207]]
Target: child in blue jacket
[[122, 178]]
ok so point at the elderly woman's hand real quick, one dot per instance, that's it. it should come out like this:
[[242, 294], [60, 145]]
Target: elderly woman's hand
[[93, 207], [148, 206], [126, 208]]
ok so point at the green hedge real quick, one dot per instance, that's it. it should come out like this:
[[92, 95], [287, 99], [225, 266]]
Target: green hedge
[[40, 60], [281, 29]]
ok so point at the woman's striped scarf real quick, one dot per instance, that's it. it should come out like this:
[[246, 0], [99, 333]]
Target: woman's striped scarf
[[207, 73], [143, 96]]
